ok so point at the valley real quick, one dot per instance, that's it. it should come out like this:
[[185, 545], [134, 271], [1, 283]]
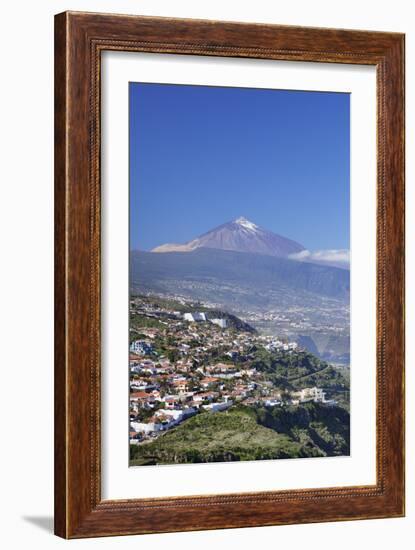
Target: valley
[[301, 301]]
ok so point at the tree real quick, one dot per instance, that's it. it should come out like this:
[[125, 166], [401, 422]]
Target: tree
[[173, 355]]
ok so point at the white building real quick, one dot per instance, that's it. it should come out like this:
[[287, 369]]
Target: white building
[[141, 347], [147, 427], [222, 323], [272, 402], [221, 406], [139, 385], [274, 345], [312, 394], [195, 317]]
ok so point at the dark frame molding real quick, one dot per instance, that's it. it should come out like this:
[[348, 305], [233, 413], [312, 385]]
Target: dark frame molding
[[79, 40]]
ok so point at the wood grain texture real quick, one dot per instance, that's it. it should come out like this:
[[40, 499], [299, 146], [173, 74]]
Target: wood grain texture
[[79, 40], [60, 278]]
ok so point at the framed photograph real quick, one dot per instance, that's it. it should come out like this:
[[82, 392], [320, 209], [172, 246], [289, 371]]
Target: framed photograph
[[229, 276]]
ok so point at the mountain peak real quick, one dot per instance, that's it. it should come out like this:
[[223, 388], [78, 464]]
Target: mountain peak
[[240, 235], [243, 222]]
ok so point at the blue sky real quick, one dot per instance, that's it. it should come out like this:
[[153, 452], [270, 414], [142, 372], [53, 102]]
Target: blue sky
[[201, 156]]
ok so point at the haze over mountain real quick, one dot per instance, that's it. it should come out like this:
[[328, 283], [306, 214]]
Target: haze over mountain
[[240, 235]]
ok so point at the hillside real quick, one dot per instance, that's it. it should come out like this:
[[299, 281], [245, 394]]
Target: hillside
[[238, 278], [299, 370], [244, 433], [139, 319]]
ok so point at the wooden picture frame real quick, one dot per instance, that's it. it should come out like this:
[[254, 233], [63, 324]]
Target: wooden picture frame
[[79, 40]]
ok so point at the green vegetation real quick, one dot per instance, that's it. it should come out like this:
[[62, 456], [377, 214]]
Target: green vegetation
[[138, 320], [326, 427], [248, 433], [169, 303], [218, 437], [141, 321], [300, 370], [287, 365]]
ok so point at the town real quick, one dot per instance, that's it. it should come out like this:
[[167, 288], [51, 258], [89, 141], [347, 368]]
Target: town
[[186, 359]]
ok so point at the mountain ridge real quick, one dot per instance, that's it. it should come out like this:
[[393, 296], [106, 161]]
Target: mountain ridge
[[259, 272]]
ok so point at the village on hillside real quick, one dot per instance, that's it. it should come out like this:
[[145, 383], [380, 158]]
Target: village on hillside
[[186, 360]]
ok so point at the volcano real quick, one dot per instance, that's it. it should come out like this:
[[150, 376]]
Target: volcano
[[239, 235]]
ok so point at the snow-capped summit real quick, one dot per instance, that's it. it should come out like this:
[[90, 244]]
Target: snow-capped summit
[[241, 235], [246, 223]]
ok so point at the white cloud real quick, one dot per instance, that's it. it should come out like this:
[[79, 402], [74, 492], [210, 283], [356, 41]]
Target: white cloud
[[336, 257]]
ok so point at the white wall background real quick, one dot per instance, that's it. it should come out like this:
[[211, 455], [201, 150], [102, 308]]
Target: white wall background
[[26, 275]]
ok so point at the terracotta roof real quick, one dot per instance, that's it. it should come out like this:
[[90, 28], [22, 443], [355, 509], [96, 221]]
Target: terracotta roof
[[139, 395], [224, 366], [207, 394]]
